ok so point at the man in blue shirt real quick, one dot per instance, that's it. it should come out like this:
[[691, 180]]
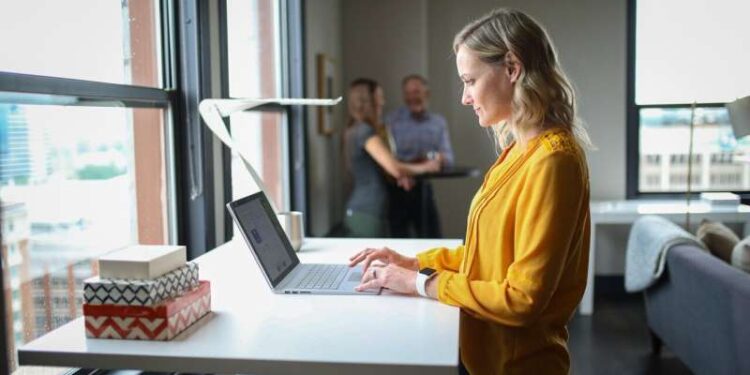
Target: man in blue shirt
[[416, 134]]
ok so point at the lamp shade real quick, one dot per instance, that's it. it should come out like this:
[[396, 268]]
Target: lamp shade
[[213, 112], [739, 116]]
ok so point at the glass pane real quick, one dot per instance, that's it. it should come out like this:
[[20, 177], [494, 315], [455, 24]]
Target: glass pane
[[252, 48], [109, 41], [253, 72], [75, 182], [259, 135], [718, 159], [692, 51]]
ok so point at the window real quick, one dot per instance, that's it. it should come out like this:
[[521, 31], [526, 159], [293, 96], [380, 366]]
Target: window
[[80, 195], [112, 113], [673, 63], [114, 42], [85, 166], [254, 71]]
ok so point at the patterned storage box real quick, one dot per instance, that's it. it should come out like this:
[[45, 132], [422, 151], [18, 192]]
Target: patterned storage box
[[128, 292], [162, 322]]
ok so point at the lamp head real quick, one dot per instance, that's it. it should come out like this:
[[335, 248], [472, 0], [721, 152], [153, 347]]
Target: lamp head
[[739, 116]]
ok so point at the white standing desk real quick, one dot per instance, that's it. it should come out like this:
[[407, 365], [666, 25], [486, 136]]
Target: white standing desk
[[252, 330], [627, 212]]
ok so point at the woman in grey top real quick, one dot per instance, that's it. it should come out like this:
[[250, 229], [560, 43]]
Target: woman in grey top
[[368, 158]]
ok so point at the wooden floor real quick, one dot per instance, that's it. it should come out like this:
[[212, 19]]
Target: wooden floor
[[615, 340]]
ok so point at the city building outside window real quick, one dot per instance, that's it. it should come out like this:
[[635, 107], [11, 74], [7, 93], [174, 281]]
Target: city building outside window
[[76, 181], [674, 64]]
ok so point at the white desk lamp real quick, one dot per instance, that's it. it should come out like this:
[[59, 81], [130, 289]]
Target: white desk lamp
[[213, 112]]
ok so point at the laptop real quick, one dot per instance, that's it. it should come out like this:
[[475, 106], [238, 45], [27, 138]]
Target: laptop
[[278, 261]]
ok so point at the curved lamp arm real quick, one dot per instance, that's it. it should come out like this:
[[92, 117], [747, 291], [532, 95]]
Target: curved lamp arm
[[213, 112]]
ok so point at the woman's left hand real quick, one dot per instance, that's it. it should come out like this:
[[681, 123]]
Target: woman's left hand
[[393, 277], [407, 183]]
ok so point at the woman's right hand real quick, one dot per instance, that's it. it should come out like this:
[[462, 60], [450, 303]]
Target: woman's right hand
[[385, 255], [429, 166]]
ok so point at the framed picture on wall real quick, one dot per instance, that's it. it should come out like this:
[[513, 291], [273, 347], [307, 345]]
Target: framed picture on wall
[[326, 70]]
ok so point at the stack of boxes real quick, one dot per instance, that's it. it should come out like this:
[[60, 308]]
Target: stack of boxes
[[144, 293]]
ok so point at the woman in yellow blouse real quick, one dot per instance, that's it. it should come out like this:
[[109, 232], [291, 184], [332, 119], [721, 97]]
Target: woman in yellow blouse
[[522, 270]]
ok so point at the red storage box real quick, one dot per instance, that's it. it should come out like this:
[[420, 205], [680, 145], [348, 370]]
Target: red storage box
[[161, 322]]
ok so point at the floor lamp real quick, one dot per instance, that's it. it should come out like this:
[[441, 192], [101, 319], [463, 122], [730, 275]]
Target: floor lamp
[[690, 168], [213, 112]]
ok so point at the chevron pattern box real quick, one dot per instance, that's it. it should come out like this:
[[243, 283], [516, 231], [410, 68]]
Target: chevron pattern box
[[163, 322], [131, 292]]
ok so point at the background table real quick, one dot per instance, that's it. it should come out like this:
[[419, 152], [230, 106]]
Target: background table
[[452, 172], [447, 172], [253, 330], [627, 212]]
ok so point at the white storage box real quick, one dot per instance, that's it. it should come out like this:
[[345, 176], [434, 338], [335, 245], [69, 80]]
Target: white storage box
[[141, 262]]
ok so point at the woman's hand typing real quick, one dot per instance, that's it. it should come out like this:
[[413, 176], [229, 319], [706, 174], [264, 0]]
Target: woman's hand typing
[[384, 255], [393, 277]]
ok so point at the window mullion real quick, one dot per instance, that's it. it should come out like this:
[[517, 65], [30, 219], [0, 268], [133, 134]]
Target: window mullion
[[31, 89]]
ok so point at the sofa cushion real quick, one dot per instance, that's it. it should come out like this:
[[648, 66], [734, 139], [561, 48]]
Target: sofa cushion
[[741, 255], [718, 238]]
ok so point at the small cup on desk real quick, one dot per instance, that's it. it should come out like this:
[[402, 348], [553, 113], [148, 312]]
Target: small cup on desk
[[293, 224]]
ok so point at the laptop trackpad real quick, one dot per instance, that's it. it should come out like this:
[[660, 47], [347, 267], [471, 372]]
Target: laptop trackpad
[[355, 276]]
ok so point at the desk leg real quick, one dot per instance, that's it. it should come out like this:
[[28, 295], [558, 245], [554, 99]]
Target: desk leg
[[587, 304]]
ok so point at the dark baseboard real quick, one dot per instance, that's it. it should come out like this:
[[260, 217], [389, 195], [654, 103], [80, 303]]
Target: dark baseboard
[[610, 286]]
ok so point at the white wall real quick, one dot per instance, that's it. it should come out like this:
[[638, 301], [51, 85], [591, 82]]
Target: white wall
[[323, 34], [590, 37], [385, 40], [388, 39], [335, 26]]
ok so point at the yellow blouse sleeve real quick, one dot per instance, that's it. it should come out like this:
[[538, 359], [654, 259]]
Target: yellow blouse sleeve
[[548, 220], [441, 258]]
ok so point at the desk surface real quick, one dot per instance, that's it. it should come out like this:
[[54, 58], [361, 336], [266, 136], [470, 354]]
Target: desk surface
[[628, 210], [252, 330]]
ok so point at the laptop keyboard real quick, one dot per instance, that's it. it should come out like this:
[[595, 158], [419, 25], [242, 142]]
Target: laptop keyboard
[[322, 276]]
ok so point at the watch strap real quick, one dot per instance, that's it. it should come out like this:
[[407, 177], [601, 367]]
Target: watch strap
[[421, 283]]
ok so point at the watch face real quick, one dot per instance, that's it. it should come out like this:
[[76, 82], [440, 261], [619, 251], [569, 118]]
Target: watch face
[[427, 271]]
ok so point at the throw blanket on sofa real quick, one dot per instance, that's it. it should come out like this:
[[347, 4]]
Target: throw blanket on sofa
[[648, 243]]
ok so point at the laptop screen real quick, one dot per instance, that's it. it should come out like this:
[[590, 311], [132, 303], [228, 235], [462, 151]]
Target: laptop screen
[[267, 240]]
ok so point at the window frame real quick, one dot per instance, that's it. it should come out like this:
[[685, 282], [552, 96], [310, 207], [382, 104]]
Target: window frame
[[187, 78], [633, 122], [297, 115], [4, 370], [179, 92], [190, 83]]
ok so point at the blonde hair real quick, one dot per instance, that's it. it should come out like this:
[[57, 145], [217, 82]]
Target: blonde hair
[[543, 94], [362, 108]]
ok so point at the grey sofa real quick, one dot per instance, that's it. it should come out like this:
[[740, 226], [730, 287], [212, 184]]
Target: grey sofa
[[700, 308]]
